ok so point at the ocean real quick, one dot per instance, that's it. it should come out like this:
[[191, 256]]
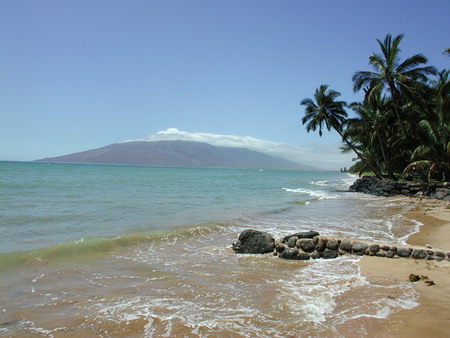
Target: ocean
[[103, 250]]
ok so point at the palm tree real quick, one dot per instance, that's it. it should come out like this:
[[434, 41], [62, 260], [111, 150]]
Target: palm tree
[[372, 126], [399, 78], [325, 111], [433, 151]]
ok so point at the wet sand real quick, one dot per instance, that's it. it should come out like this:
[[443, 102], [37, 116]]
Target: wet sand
[[432, 317]]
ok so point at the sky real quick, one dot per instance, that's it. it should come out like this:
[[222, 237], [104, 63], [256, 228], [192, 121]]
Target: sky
[[81, 74]]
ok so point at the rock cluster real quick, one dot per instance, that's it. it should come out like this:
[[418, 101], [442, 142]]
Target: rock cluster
[[307, 245], [374, 186]]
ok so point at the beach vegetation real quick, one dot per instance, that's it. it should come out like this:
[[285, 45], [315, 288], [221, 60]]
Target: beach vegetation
[[401, 129]]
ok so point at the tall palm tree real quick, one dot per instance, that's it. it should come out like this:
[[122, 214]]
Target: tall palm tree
[[326, 111], [399, 78], [372, 126]]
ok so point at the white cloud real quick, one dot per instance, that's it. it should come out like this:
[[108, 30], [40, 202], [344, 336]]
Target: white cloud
[[316, 155]]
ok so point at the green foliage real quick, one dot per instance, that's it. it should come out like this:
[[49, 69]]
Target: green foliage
[[403, 124]]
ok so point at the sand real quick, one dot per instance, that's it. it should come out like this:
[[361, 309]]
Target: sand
[[432, 317]]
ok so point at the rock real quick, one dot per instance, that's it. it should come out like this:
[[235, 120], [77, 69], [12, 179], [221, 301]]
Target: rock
[[332, 244], [279, 247], [307, 245], [329, 254], [385, 247], [292, 241], [315, 254], [390, 254], [359, 247], [305, 234], [322, 244], [439, 254], [254, 242], [430, 283], [418, 254], [346, 245], [302, 256], [439, 258], [381, 254], [288, 253], [414, 278], [404, 252], [374, 248], [429, 258]]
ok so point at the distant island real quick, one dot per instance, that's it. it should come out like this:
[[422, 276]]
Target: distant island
[[178, 154]]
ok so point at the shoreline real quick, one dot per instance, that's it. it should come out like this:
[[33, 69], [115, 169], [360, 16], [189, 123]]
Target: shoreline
[[430, 317]]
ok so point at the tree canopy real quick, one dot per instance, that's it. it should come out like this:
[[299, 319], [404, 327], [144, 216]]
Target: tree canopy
[[402, 127]]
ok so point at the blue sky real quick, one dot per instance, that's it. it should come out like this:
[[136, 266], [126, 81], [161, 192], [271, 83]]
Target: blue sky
[[77, 75]]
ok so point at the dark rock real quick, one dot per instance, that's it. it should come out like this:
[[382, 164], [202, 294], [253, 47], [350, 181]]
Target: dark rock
[[385, 247], [381, 254], [390, 254], [329, 254], [315, 254], [304, 234], [307, 245], [418, 254], [439, 254], [429, 258], [254, 242], [439, 258], [332, 244], [374, 248], [414, 278], [279, 247], [316, 240], [346, 245], [359, 247], [292, 241], [288, 253], [322, 244], [302, 256], [430, 252], [404, 252]]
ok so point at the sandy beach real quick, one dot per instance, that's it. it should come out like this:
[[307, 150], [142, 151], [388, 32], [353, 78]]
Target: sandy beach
[[432, 317]]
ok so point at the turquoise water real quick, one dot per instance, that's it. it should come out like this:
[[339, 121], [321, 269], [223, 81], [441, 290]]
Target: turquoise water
[[46, 204], [95, 250]]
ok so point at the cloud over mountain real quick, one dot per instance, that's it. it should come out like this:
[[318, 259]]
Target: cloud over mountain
[[315, 155]]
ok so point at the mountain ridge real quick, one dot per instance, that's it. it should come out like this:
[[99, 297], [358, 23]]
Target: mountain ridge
[[177, 153]]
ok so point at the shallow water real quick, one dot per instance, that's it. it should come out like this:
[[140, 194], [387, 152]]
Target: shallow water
[[126, 251]]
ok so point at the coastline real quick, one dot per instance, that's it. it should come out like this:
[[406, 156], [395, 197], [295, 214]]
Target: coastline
[[430, 317]]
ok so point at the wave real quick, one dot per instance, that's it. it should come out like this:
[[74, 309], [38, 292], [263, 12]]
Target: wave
[[85, 248], [320, 183], [314, 194]]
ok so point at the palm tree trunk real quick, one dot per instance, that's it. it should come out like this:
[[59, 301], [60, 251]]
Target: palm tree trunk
[[397, 113], [385, 159], [375, 171]]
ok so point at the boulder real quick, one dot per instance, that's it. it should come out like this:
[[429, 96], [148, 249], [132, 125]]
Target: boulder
[[322, 244], [302, 256], [359, 248], [304, 234], [288, 253], [315, 254], [254, 242], [346, 245], [307, 245], [279, 247], [418, 254], [329, 254], [292, 241], [332, 244], [374, 248], [404, 252]]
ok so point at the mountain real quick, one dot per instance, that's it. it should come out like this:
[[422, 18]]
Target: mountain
[[177, 154]]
